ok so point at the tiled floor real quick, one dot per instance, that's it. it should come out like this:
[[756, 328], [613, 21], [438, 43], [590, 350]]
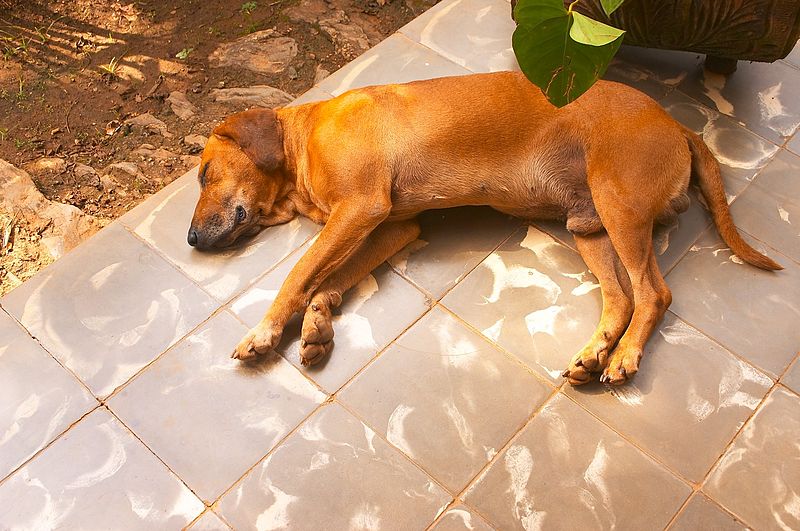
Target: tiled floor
[[441, 406]]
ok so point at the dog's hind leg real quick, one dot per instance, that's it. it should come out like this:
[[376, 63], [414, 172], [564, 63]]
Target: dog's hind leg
[[615, 286], [631, 235], [317, 333]]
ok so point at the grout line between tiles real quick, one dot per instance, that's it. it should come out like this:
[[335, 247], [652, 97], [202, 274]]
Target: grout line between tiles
[[407, 457], [49, 444], [272, 450], [733, 440], [179, 478], [46, 350], [330, 398], [223, 308], [485, 469]]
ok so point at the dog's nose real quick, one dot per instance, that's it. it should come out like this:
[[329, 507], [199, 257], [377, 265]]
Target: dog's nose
[[192, 238]]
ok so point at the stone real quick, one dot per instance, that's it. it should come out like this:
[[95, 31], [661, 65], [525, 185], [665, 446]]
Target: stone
[[264, 52], [180, 105], [62, 227], [147, 151], [259, 95], [195, 143], [320, 74], [349, 39], [149, 124], [47, 165], [83, 171]]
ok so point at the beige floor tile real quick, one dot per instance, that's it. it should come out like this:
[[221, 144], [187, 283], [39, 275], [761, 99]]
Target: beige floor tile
[[568, 471], [741, 153], [461, 518], [209, 522], [535, 298], [685, 404], [441, 378], [334, 473], [210, 417], [38, 398], [758, 479], [792, 377], [108, 308], [770, 208], [97, 476], [760, 95], [701, 514], [395, 60], [451, 244], [475, 34], [753, 313], [794, 144]]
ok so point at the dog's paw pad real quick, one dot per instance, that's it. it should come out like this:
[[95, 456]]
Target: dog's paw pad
[[311, 353]]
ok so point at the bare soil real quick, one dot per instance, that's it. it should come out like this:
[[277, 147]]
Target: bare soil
[[73, 71]]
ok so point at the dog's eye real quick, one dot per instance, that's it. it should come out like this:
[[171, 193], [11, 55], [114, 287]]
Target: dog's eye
[[240, 214]]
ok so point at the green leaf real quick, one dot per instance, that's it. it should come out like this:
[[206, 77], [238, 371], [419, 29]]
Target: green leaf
[[534, 12], [589, 31], [609, 6], [563, 68]]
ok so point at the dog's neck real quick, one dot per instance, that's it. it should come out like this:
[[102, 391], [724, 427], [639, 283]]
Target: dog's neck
[[295, 168]]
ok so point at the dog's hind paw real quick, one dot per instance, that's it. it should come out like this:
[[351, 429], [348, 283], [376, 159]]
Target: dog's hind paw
[[621, 367], [316, 339]]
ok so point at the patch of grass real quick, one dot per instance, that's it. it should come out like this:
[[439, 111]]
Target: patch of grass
[[248, 8], [252, 28], [184, 54], [112, 68], [21, 94], [3, 134]]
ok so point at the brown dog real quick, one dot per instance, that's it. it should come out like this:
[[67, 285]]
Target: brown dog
[[611, 164]]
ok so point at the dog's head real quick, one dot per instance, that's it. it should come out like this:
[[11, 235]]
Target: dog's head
[[243, 184]]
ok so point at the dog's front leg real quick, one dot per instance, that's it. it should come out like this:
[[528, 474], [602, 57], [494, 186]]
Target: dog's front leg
[[348, 226], [316, 340]]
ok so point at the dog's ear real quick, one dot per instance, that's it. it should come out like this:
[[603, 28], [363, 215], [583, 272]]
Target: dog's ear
[[258, 133]]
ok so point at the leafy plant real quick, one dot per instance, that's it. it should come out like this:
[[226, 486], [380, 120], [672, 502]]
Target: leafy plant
[[112, 67], [184, 54], [248, 7], [562, 51]]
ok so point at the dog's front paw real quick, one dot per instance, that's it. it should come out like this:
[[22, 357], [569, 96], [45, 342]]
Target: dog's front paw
[[576, 373], [624, 363], [316, 340], [259, 340]]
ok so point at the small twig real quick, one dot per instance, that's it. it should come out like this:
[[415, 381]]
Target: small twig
[[66, 120]]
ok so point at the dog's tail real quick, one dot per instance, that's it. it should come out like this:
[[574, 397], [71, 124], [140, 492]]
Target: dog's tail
[[706, 167]]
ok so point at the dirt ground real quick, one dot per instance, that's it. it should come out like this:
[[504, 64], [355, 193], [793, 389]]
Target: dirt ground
[[76, 74]]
